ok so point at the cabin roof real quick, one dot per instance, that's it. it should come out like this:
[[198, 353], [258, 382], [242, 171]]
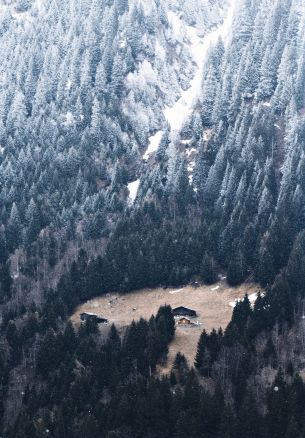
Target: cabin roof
[[94, 316], [177, 309]]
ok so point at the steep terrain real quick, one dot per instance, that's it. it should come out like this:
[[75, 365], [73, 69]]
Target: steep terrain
[[176, 115], [150, 144], [84, 85]]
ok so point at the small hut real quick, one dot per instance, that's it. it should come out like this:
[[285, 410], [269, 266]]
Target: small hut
[[93, 317], [184, 321]]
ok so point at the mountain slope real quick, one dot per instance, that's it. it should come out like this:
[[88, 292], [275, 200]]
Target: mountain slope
[[84, 85], [135, 156]]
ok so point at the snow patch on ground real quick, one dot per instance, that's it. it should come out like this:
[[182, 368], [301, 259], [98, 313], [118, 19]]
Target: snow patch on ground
[[133, 190], [189, 152], [215, 288], [153, 145], [176, 291], [143, 77], [177, 114], [122, 43], [233, 303], [177, 26], [207, 134], [68, 84], [186, 142], [199, 47], [160, 51], [190, 169], [252, 299]]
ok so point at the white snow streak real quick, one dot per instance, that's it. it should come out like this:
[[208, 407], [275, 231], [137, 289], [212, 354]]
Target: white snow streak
[[133, 190], [190, 169], [69, 84], [154, 142], [175, 291], [178, 114], [199, 47]]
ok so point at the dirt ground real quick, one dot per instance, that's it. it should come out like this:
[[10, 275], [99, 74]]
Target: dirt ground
[[213, 304]]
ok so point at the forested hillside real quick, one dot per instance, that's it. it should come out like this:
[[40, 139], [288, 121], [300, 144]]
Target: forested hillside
[[243, 148], [148, 143], [227, 191], [82, 87]]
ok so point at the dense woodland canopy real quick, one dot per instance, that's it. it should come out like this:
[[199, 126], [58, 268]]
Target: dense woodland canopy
[[83, 85]]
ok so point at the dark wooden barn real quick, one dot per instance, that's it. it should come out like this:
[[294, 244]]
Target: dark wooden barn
[[184, 311], [93, 317]]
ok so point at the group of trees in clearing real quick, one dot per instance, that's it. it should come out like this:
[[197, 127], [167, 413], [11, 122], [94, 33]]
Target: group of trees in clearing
[[86, 385]]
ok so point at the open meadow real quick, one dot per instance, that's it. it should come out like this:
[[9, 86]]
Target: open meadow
[[213, 305]]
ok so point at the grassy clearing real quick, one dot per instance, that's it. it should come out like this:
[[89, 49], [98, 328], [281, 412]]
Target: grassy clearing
[[213, 305]]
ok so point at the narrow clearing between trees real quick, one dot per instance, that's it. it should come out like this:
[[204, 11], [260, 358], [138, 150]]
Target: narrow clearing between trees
[[213, 304]]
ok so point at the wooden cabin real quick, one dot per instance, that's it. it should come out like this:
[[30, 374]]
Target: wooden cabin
[[184, 311], [184, 321], [93, 317]]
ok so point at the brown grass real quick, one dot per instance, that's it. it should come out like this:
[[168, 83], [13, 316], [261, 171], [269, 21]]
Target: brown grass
[[212, 307]]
